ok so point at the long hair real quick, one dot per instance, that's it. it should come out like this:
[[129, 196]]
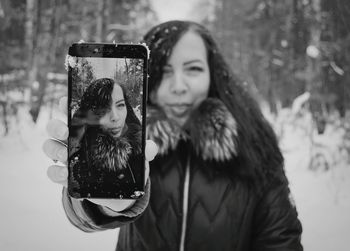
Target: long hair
[[97, 99], [258, 157], [94, 104]]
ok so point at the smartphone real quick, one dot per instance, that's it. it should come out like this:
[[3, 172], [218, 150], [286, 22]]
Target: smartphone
[[107, 90]]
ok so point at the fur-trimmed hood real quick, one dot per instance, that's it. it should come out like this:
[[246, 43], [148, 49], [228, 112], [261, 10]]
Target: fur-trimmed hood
[[211, 129], [113, 154], [110, 153]]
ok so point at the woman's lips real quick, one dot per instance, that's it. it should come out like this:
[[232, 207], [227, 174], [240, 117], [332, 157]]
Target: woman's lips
[[115, 131], [179, 110]]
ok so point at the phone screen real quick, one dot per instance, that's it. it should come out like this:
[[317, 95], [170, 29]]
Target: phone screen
[[106, 120]]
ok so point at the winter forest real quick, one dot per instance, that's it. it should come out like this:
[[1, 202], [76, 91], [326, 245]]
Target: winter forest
[[126, 71], [293, 55]]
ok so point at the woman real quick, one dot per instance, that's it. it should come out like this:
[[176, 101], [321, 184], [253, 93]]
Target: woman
[[218, 181], [105, 143]]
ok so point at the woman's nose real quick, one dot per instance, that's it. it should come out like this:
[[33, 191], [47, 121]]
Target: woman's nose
[[114, 115], [178, 85]]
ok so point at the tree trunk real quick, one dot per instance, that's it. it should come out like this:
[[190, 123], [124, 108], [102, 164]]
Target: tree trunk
[[32, 15], [4, 112], [101, 21], [30, 39], [29, 28], [43, 56]]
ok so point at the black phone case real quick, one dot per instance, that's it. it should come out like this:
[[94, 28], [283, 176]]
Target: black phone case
[[106, 159]]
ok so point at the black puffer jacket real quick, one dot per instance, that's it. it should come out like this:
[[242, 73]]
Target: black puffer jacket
[[196, 204], [104, 166]]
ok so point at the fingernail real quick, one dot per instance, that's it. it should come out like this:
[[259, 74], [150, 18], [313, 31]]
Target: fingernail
[[62, 154], [62, 133], [64, 173]]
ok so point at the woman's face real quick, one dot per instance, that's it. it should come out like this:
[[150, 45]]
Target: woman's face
[[114, 120], [186, 78]]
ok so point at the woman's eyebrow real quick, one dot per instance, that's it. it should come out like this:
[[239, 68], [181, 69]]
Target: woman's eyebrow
[[118, 101], [193, 61]]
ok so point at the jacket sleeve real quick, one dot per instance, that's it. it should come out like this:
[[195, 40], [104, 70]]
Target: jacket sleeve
[[90, 217], [276, 223]]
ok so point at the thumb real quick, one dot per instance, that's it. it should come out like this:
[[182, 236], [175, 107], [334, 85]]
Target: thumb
[[151, 150]]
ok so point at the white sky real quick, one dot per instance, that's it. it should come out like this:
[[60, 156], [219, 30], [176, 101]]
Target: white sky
[[103, 67], [166, 10], [173, 9]]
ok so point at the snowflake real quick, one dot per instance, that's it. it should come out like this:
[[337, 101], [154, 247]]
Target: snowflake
[[148, 50], [70, 61]]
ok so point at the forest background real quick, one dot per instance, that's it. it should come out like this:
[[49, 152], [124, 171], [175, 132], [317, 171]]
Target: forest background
[[294, 56]]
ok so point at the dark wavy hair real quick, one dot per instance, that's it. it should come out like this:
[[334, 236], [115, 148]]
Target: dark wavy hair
[[97, 100], [259, 157]]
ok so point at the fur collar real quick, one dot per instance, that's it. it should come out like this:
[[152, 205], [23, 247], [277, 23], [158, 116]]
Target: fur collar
[[212, 130], [110, 153], [113, 154]]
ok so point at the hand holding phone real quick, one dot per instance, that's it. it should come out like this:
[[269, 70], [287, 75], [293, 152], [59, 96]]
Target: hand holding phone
[[58, 131], [107, 87]]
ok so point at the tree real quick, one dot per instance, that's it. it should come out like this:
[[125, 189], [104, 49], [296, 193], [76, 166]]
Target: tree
[[129, 20], [335, 48], [35, 35], [265, 42], [131, 77], [82, 76]]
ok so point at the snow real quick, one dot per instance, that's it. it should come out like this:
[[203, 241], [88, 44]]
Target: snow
[[322, 200], [172, 10], [33, 217], [322, 197]]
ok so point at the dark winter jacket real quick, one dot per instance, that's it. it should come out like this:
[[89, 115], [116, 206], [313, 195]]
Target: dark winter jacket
[[195, 202], [102, 166]]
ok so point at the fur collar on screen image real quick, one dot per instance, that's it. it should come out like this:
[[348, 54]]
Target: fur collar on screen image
[[212, 130], [113, 154]]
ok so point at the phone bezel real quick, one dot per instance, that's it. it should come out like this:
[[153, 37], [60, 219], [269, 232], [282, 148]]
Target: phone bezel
[[112, 50]]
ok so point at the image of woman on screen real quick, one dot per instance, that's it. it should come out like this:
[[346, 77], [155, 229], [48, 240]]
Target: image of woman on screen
[[105, 143]]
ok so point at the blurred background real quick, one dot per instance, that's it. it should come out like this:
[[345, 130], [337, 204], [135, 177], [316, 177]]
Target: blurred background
[[294, 55]]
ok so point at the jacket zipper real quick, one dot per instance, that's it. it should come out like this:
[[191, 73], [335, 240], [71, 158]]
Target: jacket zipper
[[185, 206]]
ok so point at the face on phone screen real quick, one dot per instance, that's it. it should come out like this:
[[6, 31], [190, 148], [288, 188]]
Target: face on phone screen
[[106, 132]]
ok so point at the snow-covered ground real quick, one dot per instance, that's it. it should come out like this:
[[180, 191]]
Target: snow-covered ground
[[32, 217], [322, 198]]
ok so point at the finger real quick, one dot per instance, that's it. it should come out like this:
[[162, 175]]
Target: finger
[[63, 105], [151, 150], [57, 129], [55, 150], [58, 174], [114, 204]]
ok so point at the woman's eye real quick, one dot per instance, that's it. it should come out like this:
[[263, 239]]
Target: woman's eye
[[101, 112], [194, 70], [120, 105], [167, 71]]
